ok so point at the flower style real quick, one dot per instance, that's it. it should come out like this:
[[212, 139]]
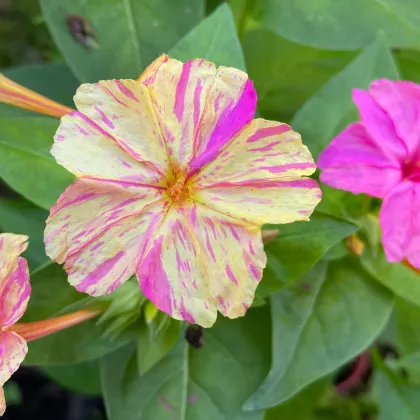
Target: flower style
[[15, 290], [380, 156], [174, 180]]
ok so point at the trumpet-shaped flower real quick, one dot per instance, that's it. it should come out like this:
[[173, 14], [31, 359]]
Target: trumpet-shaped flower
[[15, 290], [380, 156], [174, 180]]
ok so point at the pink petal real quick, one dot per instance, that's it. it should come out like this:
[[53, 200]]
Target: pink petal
[[85, 149], [380, 126], [201, 262], [123, 109], [400, 223], [98, 229], [266, 202], [354, 162], [15, 288], [401, 101], [263, 151], [13, 349]]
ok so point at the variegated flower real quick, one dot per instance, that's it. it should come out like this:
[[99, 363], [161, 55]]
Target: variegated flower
[[15, 290], [174, 180]]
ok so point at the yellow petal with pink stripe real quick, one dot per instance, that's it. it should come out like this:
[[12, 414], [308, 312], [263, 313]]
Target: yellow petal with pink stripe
[[14, 94], [201, 262], [85, 149], [13, 349], [123, 109], [263, 151], [260, 203], [15, 288], [2, 402]]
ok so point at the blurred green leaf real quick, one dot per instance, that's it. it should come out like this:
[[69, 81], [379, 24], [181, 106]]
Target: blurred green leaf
[[18, 215], [53, 80], [125, 35], [331, 108], [214, 39], [397, 399], [409, 64], [407, 316], [83, 378], [410, 364], [302, 405], [152, 348], [286, 74], [344, 24], [25, 160], [298, 247], [333, 313], [197, 384], [12, 393]]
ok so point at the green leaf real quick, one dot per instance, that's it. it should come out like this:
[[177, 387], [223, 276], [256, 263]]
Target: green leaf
[[407, 317], [409, 64], [25, 160], [286, 74], [214, 39], [397, 399], [298, 247], [344, 24], [331, 109], [410, 364], [83, 378], [402, 281], [301, 406], [18, 215], [197, 384], [333, 313], [152, 348], [124, 35], [54, 80]]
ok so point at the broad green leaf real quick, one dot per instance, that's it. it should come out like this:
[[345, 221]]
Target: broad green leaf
[[52, 296], [344, 24], [286, 74], [333, 313], [124, 35], [331, 108], [83, 378], [152, 348], [214, 39], [302, 405], [197, 384], [402, 281], [18, 215], [407, 317], [53, 80], [298, 247], [409, 64], [25, 160], [397, 400]]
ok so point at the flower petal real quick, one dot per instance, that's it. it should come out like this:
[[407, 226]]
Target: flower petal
[[201, 261], [198, 107], [354, 162], [87, 208], [13, 349], [14, 94], [84, 149], [15, 291], [100, 236], [401, 101], [123, 109], [11, 246], [264, 150], [400, 223], [178, 93], [380, 126], [2, 402], [259, 203]]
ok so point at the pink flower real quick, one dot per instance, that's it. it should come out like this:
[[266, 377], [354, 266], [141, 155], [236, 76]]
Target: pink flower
[[175, 179], [380, 156], [14, 295]]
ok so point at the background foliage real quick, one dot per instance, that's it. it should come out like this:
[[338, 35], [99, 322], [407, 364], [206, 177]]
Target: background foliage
[[318, 307]]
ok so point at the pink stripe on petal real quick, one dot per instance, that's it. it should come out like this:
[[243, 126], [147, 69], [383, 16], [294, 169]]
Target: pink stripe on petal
[[181, 90], [13, 349]]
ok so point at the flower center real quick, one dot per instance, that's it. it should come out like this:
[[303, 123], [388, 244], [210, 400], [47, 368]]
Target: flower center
[[411, 170], [179, 191]]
